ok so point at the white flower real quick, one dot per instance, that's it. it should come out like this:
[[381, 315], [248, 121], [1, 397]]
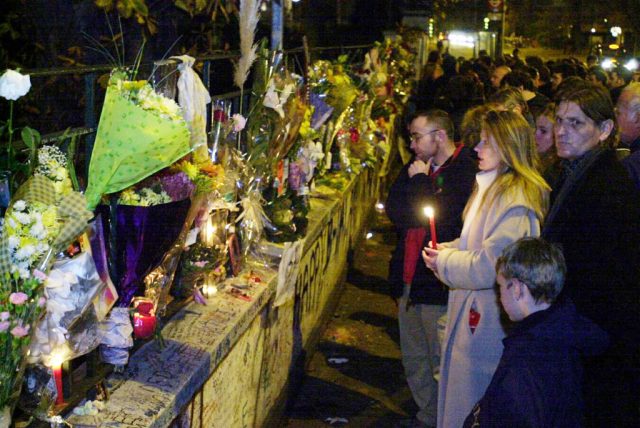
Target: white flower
[[24, 273], [14, 241], [272, 100], [239, 122], [13, 85], [286, 92], [23, 218], [19, 205], [25, 252], [12, 223], [37, 231]]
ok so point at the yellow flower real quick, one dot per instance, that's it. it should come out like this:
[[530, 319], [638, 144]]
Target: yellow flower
[[190, 169], [50, 218]]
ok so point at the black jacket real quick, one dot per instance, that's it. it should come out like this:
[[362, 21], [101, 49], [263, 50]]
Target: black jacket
[[538, 381], [595, 217], [448, 194]]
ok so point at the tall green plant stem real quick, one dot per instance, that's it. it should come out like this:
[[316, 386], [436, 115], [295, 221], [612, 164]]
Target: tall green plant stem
[[10, 143]]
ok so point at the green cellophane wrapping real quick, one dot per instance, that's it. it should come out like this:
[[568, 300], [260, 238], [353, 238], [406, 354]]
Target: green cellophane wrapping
[[131, 144]]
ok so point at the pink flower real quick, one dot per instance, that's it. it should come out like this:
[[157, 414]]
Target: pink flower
[[20, 331], [4, 316], [41, 302], [18, 298], [239, 122], [39, 274], [200, 264], [4, 326]]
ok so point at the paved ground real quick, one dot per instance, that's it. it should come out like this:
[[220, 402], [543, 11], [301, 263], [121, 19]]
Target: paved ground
[[355, 378]]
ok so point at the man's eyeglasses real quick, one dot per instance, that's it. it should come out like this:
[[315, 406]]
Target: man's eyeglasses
[[416, 136]]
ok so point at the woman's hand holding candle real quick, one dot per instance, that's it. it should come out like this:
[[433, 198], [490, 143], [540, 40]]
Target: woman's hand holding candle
[[430, 257]]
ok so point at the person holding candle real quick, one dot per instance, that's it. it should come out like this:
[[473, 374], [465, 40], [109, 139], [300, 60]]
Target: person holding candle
[[595, 216], [439, 176], [509, 201]]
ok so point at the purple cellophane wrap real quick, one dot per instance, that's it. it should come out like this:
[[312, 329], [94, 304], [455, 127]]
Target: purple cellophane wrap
[[144, 235], [321, 112]]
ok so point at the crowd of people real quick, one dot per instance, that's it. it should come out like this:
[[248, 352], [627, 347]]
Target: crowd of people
[[533, 171]]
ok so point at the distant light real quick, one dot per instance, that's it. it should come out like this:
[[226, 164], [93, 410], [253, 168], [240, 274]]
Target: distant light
[[614, 47], [607, 64], [606, 20], [295, 1], [459, 38], [369, 235], [263, 7], [616, 31], [631, 65], [380, 206], [593, 30]]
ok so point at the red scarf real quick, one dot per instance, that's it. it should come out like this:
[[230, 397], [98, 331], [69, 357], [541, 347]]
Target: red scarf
[[414, 239]]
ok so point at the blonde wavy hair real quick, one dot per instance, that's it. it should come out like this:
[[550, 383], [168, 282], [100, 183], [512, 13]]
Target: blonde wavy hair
[[517, 173]]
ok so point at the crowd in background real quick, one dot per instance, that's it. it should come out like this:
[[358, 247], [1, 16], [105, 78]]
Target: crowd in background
[[556, 145]]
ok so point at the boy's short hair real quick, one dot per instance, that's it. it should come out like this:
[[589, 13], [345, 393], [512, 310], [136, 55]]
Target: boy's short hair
[[536, 263]]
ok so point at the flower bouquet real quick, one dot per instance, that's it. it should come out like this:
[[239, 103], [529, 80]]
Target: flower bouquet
[[140, 133], [21, 304], [196, 263], [37, 225], [144, 223]]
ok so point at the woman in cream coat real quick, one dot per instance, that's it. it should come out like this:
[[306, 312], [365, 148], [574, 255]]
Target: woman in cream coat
[[508, 203]]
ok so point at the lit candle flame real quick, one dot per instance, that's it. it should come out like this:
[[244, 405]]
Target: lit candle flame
[[428, 211]]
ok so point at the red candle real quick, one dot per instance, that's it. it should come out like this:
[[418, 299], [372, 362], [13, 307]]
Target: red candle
[[428, 210], [57, 375], [144, 319], [144, 325]]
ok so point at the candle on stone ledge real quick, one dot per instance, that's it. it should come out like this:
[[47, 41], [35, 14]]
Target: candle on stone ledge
[[56, 366], [428, 211], [144, 319]]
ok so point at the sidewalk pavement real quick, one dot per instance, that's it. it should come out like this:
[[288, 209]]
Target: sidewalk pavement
[[355, 377]]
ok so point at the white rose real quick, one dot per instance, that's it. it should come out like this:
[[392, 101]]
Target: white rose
[[13, 85]]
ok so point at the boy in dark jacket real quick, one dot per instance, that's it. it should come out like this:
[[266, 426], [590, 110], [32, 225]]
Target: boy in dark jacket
[[538, 380], [440, 175]]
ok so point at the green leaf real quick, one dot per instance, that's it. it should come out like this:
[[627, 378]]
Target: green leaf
[[30, 137], [201, 5], [5, 28], [181, 4], [140, 7]]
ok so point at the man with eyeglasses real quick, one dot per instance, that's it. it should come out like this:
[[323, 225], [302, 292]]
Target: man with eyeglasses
[[595, 216], [439, 175]]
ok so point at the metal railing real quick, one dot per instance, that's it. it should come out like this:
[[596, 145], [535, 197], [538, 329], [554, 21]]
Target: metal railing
[[82, 83]]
